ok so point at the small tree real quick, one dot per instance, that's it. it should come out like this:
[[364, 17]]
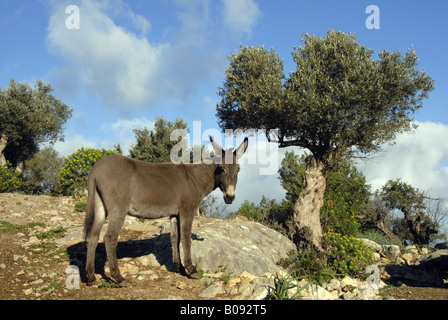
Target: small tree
[[155, 145], [339, 101], [412, 203], [41, 172]]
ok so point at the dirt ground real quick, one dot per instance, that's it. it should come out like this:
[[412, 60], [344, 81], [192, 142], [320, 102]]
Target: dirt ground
[[36, 268]]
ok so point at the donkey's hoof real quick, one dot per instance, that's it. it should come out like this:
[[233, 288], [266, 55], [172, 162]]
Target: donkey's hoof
[[92, 282], [194, 275], [124, 284]]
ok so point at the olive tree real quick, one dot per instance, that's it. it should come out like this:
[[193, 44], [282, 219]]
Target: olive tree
[[28, 117], [340, 101]]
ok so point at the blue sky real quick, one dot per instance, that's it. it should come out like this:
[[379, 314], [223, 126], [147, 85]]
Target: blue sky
[[131, 61]]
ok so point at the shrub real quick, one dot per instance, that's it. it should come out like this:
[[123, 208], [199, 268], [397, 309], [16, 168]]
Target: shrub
[[339, 215], [309, 264], [347, 254], [74, 173], [250, 211], [41, 173], [9, 178]]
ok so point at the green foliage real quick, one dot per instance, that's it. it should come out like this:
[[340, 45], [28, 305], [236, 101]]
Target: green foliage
[[250, 211], [7, 226], [28, 117], [80, 206], [75, 171], [282, 288], [345, 196], [156, 145], [309, 264], [339, 101], [339, 215], [417, 225], [53, 233], [9, 179], [338, 98], [347, 254], [41, 172], [291, 175]]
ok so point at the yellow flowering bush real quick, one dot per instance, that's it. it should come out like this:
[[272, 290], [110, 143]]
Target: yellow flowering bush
[[347, 254], [75, 171], [9, 178]]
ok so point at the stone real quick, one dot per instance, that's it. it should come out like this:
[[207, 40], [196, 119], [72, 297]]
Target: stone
[[334, 284], [371, 244], [411, 248], [315, 292], [237, 245], [348, 281], [408, 258], [391, 251], [212, 291]]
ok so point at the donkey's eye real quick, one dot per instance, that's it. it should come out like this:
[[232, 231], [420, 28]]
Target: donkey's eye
[[221, 170]]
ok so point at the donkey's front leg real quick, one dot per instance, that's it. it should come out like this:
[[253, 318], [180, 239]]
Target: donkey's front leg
[[186, 222]]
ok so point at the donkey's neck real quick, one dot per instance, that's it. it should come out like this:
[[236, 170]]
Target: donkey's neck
[[202, 175]]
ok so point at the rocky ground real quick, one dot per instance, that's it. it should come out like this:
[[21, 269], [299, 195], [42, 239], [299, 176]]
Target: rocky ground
[[41, 249]]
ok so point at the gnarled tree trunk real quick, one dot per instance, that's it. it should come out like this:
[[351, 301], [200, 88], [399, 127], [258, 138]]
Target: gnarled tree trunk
[[3, 143], [310, 201]]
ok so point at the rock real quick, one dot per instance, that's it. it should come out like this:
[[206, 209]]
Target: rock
[[412, 249], [391, 251], [174, 298], [27, 292], [348, 281], [212, 291], [246, 277], [315, 292], [408, 258], [237, 246], [371, 244], [376, 256], [334, 284], [261, 292]]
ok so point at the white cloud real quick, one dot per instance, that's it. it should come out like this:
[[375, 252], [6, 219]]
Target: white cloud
[[111, 56], [419, 158], [72, 143], [121, 132], [119, 66], [241, 16]]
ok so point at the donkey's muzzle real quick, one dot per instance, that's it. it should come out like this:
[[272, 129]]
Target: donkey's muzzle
[[228, 199], [229, 194]]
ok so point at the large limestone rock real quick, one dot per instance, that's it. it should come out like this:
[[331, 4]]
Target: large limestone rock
[[236, 246], [230, 246]]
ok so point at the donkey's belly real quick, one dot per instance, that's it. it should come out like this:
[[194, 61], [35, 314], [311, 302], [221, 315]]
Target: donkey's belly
[[151, 211]]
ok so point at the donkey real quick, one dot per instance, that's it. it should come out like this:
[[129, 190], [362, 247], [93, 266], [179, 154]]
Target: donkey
[[118, 186]]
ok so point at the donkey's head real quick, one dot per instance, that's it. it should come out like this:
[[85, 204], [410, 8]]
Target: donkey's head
[[226, 174]]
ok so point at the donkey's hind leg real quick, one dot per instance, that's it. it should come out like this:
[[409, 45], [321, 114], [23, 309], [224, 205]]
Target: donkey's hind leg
[[116, 220], [97, 215]]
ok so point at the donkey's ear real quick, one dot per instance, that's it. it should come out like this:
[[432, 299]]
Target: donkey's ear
[[218, 150], [242, 148]]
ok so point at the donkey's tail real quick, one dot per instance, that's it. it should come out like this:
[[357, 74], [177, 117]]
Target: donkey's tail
[[90, 210]]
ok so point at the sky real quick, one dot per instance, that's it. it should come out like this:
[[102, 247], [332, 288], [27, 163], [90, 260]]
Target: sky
[[120, 64]]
